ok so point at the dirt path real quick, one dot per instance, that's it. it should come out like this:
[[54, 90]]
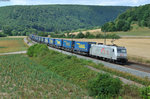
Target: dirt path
[[19, 52]]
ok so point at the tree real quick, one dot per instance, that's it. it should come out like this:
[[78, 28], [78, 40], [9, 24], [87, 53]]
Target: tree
[[111, 27], [14, 33], [87, 34], [7, 30], [80, 35], [57, 18], [2, 34]]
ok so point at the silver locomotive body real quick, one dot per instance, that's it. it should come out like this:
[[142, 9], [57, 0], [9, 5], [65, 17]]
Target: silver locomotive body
[[113, 53]]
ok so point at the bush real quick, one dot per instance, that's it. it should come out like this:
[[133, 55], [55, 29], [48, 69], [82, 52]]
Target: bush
[[145, 92], [104, 85], [2, 35], [89, 35], [80, 35], [37, 50]]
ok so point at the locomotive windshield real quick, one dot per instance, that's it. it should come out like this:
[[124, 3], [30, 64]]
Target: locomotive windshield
[[121, 50]]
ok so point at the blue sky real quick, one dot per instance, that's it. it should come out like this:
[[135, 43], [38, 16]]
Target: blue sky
[[82, 2]]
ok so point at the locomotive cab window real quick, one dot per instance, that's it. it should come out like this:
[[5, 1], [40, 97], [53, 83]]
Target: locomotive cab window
[[113, 50], [121, 50]]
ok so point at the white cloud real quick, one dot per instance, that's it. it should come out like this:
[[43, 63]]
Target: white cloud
[[86, 2], [19, 2], [124, 2]]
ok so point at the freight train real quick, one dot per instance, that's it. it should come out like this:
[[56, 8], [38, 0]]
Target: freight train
[[110, 53]]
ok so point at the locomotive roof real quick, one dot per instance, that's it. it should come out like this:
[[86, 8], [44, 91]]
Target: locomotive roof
[[108, 45]]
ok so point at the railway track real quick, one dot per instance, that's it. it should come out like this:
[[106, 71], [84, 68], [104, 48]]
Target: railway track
[[137, 66], [132, 68]]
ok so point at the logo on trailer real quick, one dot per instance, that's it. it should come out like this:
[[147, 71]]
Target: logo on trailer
[[67, 43], [51, 41], [81, 45], [58, 42], [46, 40]]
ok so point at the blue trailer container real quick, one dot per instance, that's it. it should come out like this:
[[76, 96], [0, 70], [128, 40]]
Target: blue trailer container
[[58, 42], [32, 37], [68, 44], [37, 38], [83, 46], [40, 39], [52, 41], [46, 40]]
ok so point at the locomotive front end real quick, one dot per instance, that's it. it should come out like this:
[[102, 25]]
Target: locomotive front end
[[121, 54]]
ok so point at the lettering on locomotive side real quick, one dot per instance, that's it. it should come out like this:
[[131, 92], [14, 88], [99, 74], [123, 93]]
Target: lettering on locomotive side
[[81, 45], [103, 50]]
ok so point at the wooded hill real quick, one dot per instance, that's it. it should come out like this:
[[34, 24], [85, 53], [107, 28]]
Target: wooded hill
[[22, 20], [139, 15]]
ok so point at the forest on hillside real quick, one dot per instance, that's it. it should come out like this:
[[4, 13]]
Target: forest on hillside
[[139, 15], [23, 20]]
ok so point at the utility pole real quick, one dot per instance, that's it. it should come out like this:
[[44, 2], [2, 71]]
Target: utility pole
[[105, 37], [72, 43]]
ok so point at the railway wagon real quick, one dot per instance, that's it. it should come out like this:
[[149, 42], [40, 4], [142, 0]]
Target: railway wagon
[[46, 40], [51, 42], [58, 43], [31, 36], [68, 45], [36, 38], [113, 53], [82, 47]]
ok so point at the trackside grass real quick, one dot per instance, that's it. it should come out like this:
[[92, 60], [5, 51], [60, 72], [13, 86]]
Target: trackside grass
[[11, 45], [69, 67], [73, 69], [21, 78]]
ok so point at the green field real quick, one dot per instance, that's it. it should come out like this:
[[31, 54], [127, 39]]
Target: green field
[[12, 45], [22, 78]]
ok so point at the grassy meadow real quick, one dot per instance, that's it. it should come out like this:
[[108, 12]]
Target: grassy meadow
[[136, 31], [12, 45], [25, 79]]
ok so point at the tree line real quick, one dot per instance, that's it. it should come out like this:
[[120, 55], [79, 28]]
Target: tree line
[[139, 15], [86, 35], [23, 20]]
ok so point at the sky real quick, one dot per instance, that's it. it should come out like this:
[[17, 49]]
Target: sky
[[81, 2]]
